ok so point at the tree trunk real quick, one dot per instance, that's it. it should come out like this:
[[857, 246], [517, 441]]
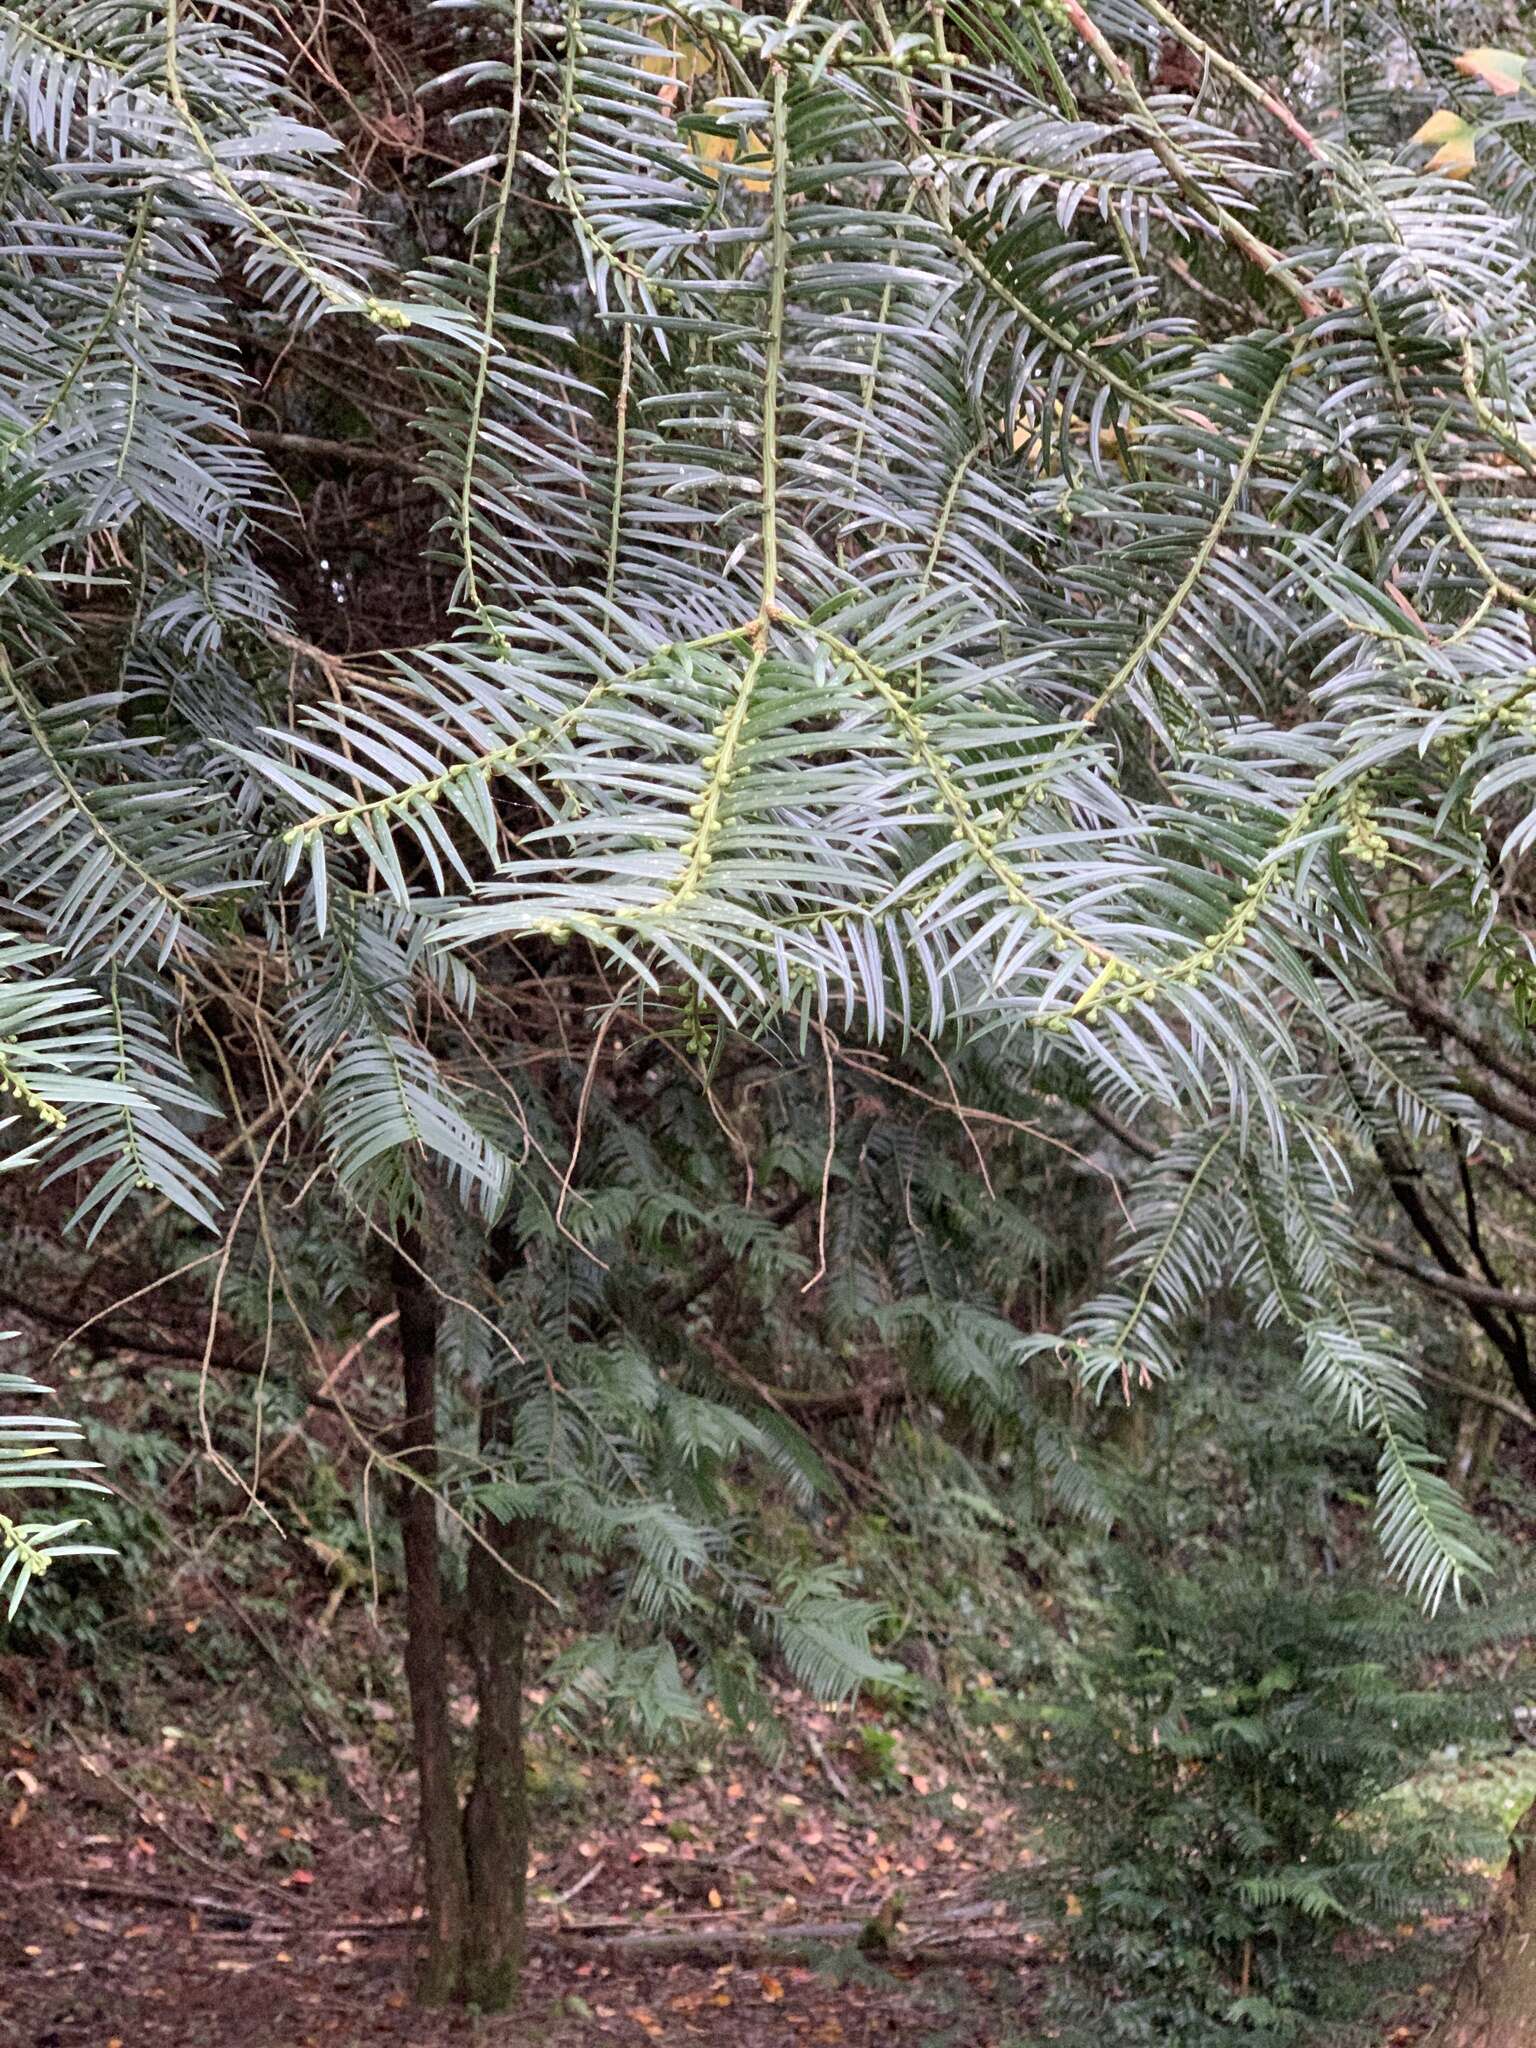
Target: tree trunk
[[496, 1815], [1469, 1438], [444, 1875], [1485, 1464], [1494, 2002]]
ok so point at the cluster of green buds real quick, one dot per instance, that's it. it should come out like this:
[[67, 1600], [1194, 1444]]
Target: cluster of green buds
[[421, 795], [383, 313], [1115, 982], [1516, 712], [719, 766], [13, 1085], [1363, 837], [13, 1537], [700, 1025]]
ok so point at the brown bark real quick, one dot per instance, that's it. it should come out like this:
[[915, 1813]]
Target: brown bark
[[1485, 1463], [1493, 2004], [496, 1813], [444, 1874], [1469, 1437]]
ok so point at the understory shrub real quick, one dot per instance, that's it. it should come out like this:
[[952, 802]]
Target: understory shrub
[[1231, 1856]]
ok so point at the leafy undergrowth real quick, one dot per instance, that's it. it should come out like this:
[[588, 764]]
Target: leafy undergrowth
[[220, 1852], [207, 1869]]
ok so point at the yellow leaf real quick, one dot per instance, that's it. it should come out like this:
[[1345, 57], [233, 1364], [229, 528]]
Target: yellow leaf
[[1502, 71], [1074, 1906], [1455, 158], [1442, 126], [721, 149], [1457, 139], [674, 65]]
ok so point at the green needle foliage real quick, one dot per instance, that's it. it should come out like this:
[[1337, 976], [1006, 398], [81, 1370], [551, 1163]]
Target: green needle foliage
[[1225, 1857], [36, 1458], [1234, 1849]]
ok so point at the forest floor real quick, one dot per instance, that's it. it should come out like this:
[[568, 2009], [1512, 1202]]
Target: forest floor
[[191, 1885], [189, 1882]]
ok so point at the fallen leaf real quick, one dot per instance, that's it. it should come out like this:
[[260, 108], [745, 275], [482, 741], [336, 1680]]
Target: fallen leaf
[[772, 1989]]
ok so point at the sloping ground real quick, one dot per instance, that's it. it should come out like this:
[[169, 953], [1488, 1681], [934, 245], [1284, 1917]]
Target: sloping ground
[[210, 1864], [192, 1887]]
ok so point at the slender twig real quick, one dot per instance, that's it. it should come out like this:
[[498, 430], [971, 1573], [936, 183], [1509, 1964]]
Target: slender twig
[[1236, 233], [323, 448], [826, 1164]]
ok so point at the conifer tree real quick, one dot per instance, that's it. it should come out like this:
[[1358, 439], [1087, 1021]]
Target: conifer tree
[[1000, 524]]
